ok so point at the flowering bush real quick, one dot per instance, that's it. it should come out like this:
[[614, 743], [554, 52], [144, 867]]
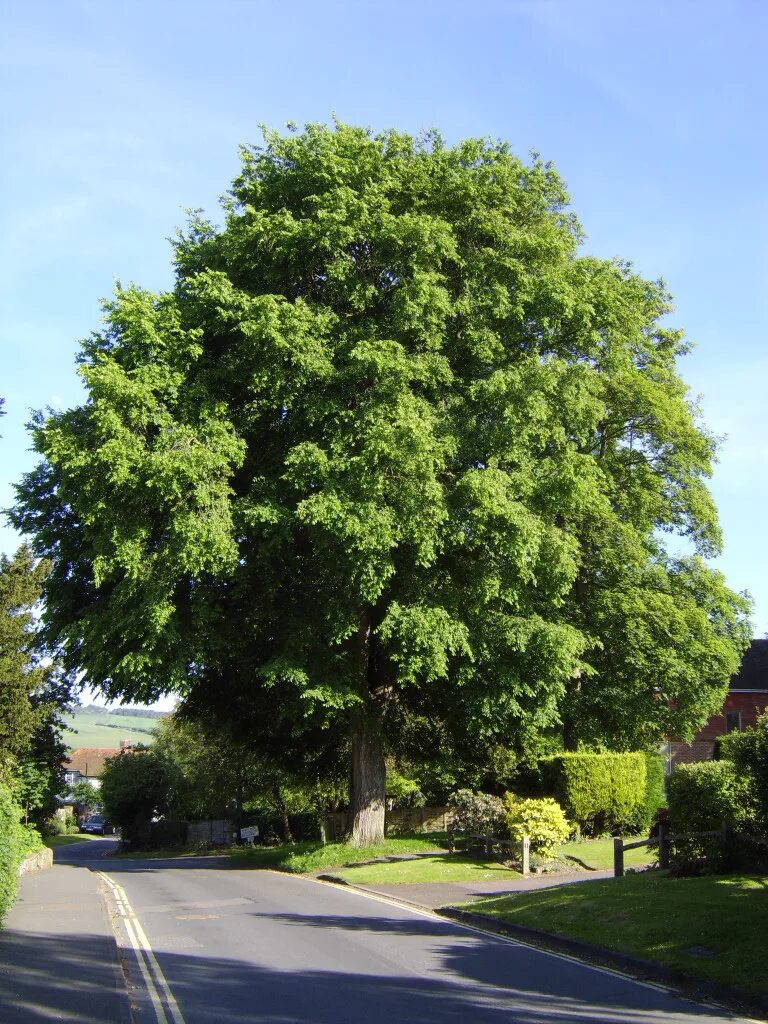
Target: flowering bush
[[478, 813], [543, 821]]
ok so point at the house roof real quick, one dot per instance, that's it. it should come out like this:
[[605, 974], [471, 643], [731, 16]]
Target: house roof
[[753, 673], [89, 761]]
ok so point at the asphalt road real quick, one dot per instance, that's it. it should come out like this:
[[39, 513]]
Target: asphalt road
[[201, 942]]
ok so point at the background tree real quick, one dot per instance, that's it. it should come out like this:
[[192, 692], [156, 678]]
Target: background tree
[[85, 798], [220, 770], [21, 670], [33, 692], [135, 787], [390, 445]]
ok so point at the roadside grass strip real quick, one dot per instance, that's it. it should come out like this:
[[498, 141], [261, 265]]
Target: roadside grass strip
[[157, 987], [713, 928], [449, 867]]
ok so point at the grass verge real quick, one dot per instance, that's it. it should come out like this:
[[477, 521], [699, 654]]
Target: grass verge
[[589, 855], [597, 854], [713, 927], [453, 867], [302, 858], [53, 841]]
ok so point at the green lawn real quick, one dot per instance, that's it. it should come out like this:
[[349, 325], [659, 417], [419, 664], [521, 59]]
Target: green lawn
[[594, 854], [598, 854], [53, 841], [300, 858], [714, 928], [446, 867], [311, 857]]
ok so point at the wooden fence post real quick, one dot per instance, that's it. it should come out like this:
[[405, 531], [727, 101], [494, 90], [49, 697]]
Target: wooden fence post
[[618, 858], [526, 856], [725, 838], [663, 845], [488, 845]]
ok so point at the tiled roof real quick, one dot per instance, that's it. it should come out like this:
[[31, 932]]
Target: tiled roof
[[753, 674], [89, 761]]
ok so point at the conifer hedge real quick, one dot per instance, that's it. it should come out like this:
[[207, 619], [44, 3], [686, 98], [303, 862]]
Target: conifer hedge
[[602, 792], [15, 842]]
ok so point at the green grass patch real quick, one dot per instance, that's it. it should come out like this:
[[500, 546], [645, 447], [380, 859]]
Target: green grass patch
[[301, 858], [715, 928], [589, 855], [454, 867], [597, 854], [312, 857], [53, 841]]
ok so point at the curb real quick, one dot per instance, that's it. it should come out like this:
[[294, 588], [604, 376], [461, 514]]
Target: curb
[[728, 996]]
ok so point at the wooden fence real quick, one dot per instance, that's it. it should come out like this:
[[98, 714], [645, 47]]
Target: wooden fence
[[666, 840], [492, 845]]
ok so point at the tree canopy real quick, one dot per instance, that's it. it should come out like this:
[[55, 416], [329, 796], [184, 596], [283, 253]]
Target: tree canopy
[[390, 446]]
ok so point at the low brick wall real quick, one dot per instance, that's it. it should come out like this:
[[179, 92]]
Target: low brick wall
[[37, 861]]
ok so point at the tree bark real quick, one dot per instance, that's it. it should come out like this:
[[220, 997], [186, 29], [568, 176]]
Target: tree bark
[[283, 812], [368, 778]]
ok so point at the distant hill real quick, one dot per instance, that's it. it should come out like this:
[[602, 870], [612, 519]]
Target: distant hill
[[93, 726]]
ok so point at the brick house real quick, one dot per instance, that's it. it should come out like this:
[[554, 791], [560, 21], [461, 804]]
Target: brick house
[[747, 696]]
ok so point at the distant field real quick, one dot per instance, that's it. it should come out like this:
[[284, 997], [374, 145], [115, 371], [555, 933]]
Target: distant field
[[103, 727]]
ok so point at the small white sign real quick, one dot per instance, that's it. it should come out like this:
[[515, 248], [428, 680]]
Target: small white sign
[[251, 832]]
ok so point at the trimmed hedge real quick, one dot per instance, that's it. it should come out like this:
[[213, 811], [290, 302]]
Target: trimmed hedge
[[654, 797], [602, 793]]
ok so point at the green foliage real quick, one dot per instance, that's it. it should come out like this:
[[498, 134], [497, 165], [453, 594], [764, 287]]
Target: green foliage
[[15, 842], [475, 813], [135, 787], [748, 752], [33, 692], [704, 794], [404, 791], [215, 772], [85, 797], [389, 441], [601, 792], [21, 673], [542, 820], [654, 796]]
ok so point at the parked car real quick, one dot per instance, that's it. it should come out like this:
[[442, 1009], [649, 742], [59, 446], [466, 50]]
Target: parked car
[[96, 826]]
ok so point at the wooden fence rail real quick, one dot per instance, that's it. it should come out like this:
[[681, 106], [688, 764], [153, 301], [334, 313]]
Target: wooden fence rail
[[491, 843], [666, 839]]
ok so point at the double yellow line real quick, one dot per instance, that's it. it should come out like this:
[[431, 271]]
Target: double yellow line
[[154, 980]]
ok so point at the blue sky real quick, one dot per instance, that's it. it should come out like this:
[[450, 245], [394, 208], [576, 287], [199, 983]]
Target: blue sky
[[117, 117]]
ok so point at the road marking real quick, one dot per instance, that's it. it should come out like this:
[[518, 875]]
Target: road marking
[[150, 969], [430, 915]]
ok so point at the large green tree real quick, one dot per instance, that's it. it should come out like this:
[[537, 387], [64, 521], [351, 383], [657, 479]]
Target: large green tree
[[33, 692], [22, 671], [390, 446]]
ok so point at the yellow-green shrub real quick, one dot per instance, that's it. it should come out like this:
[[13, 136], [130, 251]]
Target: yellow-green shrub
[[542, 820]]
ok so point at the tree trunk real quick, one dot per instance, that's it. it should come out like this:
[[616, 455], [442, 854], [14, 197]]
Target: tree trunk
[[368, 779], [283, 812]]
